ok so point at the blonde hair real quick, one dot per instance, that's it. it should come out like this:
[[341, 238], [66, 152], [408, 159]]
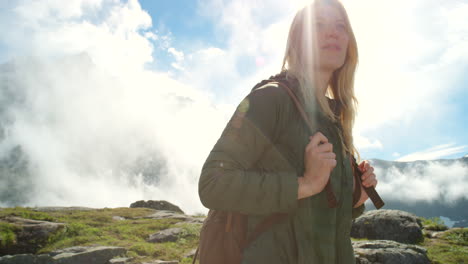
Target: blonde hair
[[299, 62]]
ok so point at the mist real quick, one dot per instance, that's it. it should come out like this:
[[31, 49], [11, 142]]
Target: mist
[[81, 137], [443, 180]]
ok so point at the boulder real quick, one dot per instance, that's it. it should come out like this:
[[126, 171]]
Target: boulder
[[393, 225], [73, 255], [166, 235], [31, 235], [157, 205], [190, 254], [389, 252], [162, 262], [172, 215], [91, 255], [26, 258], [119, 260]]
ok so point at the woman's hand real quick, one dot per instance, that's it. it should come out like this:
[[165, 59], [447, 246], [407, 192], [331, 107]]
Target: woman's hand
[[368, 179], [319, 161]]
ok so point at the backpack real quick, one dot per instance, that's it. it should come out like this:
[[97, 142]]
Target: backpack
[[223, 236]]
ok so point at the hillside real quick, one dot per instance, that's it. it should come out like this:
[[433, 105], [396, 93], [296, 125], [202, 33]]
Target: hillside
[[140, 235]]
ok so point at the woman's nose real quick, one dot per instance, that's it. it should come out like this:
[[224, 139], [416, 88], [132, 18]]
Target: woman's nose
[[331, 31]]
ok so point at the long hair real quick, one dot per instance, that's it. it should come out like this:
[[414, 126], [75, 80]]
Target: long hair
[[299, 61]]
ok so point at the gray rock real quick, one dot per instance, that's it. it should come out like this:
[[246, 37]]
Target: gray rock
[[393, 225], [190, 254], [73, 255], [440, 234], [119, 260], [389, 252], [118, 218], [166, 235], [158, 205], [162, 262], [80, 255], [169, 214], [31, 235], [26, 258]]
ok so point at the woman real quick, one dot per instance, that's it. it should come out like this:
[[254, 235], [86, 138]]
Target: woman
[[267, 161]]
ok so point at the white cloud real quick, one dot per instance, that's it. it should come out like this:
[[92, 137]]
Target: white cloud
[[178, 55], [436, 152], [365, 143], [424, 182], [54, 28], [88, 113], [410, 56]]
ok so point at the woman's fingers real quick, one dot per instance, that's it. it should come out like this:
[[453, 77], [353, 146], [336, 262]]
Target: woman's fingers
[[328, 155], [364, 166], [323, 147], [370, 180], [318, 138]]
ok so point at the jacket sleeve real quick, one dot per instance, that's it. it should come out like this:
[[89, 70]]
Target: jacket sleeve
[[229, 180]]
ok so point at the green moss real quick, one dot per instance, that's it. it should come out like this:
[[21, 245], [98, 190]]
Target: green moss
[[7, 234], [97, 227], [26, 213], [457, 236], [435, 224], [450, 248]]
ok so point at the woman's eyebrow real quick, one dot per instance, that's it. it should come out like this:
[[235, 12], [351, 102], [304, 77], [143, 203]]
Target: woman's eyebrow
[[321, 17]]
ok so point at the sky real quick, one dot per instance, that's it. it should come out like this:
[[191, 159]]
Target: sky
[[164, 77]]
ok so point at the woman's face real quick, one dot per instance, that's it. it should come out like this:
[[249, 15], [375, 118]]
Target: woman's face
[[332, 37]]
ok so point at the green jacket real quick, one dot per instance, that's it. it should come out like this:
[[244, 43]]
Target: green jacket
[[253, 169]]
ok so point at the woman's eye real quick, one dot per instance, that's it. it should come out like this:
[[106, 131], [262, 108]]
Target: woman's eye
[[341, 27]]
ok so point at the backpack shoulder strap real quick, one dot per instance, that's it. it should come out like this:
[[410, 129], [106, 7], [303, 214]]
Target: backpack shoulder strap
[[331, 198]]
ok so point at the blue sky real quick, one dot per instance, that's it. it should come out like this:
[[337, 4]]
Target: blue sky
[[164, 77]]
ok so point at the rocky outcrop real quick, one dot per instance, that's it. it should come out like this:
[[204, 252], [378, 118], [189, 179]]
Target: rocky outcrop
[[78, 255], [31, 235], [26, 258], [172, 215], [393, 225], [119, 260], [389, 252], [157, 205], [73, 255], [162, 262], [167, 235]]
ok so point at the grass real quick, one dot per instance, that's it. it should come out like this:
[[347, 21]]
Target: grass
[[7, 234], [97, 227], [449, 248], [434, 224]]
